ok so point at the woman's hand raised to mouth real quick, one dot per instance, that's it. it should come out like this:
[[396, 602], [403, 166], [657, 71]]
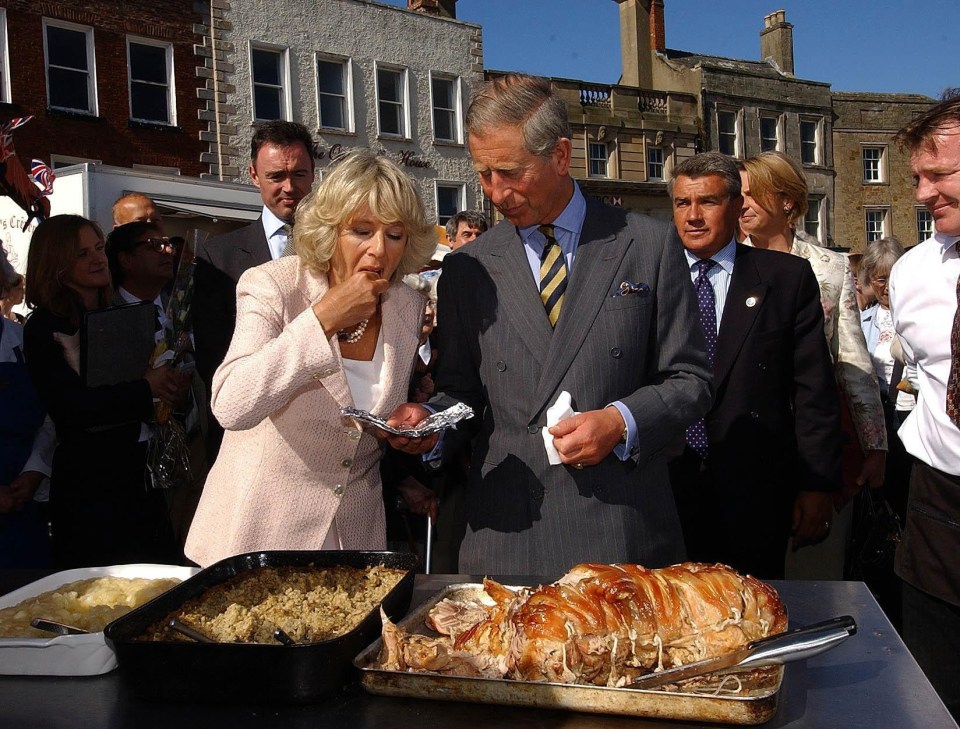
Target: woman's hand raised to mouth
[[349, 302]]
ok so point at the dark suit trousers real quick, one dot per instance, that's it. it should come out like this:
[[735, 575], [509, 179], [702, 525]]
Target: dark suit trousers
[[731, 519]]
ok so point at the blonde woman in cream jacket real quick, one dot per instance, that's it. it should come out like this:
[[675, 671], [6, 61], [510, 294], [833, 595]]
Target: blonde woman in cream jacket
[[332, 326]]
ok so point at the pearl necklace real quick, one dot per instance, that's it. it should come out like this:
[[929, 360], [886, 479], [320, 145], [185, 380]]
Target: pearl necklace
[[352, 337]]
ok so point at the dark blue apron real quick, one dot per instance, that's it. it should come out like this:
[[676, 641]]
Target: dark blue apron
[[23, 534]]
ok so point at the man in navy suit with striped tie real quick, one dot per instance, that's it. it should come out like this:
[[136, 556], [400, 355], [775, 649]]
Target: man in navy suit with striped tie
[[765, 461]]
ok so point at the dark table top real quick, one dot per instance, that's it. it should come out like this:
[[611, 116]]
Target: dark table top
[[869, 681]]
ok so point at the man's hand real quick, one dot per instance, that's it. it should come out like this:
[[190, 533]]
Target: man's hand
[[873, 471], [409, 415], [812, 518], [24, 486], [588, 438]]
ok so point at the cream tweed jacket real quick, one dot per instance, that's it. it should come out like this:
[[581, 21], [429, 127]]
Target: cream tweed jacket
[[848, 348], [289, 464]]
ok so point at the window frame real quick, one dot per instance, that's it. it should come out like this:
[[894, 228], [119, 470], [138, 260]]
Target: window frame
[[737, 130], [456, 112], [346, 67], [777, 120], [404, 102], [663, 164], [461, 190], [881, 164], [817, 123], [591, 144], [814, 201], [922, 232], [91, 70], [170, 86], [884, 223], [4, 59], [284, 73]]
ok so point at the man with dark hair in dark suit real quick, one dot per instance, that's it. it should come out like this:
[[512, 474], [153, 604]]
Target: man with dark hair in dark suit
[[282, 167], [765, 460]]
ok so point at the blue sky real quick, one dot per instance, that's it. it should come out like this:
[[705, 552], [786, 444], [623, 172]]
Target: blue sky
[[906, 46]]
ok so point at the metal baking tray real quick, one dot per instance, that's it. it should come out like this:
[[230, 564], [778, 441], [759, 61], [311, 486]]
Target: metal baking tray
[[693, 700], [249, 672]]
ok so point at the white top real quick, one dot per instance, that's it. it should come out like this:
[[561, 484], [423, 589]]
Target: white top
[[923, 298], [363, 377]]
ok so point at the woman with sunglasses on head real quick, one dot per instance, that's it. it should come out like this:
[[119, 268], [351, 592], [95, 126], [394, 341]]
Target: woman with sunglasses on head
[[101, 511], [774, 204]]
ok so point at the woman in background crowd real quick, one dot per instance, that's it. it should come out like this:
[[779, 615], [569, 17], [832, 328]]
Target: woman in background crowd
[[333, 326], [101, 511], [877, 323], [775, 202], [11, 295], [26, 447]]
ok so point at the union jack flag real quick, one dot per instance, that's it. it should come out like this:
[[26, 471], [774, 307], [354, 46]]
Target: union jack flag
[[6, 135], [42, 175]]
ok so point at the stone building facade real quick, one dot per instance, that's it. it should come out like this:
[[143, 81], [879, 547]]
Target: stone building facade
[[111, 81], [357, 74], [874, 188], [744, 107], [627, 140]]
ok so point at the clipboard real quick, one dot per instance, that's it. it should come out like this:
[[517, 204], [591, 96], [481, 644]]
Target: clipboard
[[116, 343]]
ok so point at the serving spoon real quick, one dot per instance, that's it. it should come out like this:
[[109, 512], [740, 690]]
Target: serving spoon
[[59, 628]]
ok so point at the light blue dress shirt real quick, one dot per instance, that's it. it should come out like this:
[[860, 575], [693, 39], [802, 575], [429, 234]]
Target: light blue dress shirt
[[273, 229], [719, 276]]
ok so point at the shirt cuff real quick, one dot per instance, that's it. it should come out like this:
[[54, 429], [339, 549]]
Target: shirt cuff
[[433, 456], [623, 450]]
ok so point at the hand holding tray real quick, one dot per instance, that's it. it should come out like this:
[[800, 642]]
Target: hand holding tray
[[428, 426]]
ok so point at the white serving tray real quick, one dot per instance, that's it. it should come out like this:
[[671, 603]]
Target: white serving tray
[[70, 655]]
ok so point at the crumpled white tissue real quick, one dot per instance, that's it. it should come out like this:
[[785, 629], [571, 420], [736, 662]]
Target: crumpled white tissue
[[560, 410]]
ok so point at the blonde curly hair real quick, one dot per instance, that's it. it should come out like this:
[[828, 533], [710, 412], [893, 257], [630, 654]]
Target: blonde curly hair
[[360, 179]]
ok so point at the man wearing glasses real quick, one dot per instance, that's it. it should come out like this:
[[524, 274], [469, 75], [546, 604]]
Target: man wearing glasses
[[142, 264]]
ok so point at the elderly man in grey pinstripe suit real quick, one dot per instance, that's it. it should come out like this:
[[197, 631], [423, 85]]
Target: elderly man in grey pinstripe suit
[[565, 295]]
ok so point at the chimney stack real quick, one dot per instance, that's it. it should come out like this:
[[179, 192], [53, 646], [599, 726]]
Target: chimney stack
[[776, 41], [440, 8], [642, 34]]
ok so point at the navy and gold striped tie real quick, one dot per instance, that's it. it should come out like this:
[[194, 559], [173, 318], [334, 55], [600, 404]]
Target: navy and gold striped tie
[[553, 275]]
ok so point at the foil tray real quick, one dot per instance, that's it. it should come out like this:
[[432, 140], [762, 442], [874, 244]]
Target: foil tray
[[693, 700]]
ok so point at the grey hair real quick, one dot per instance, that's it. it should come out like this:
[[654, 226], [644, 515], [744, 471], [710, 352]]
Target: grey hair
[[880, 255], [708, 163], [471, 217], [517, 100]]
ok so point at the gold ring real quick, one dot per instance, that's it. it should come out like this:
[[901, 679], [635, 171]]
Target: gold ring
[[578, 466]]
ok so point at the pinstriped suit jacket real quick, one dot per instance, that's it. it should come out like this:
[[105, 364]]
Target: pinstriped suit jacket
[[500, 355]]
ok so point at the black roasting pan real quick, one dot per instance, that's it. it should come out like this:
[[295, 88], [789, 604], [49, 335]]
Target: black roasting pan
[[248, 672]]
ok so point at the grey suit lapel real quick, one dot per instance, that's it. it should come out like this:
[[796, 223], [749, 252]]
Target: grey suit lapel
[[517, 292], [745, 298], [595, 264]]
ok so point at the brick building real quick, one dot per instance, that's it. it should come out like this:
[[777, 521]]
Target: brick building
[[874, 187], [111, 81]]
